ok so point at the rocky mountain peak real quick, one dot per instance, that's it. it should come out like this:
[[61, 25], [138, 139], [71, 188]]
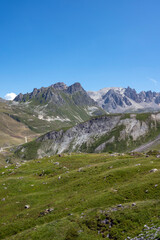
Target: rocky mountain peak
[[76, 87], [59, 86], [132, 94], [18, 98]]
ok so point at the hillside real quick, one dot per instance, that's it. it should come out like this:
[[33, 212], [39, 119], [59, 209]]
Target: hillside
[[117, 133], [12, 132], [81, 197]]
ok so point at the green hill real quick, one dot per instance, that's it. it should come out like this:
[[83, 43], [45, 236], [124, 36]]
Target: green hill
[[80, 197]]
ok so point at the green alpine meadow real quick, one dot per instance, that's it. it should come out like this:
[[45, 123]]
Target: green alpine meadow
[[81, 196]]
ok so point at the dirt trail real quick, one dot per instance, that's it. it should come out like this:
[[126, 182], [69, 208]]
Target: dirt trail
[[147, 145]]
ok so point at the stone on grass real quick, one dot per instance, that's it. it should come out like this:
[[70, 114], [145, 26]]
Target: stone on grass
[[80, 170], [119, 205], [27, 206], [153, 170], [56, 163], [133, 204], [110, 167]]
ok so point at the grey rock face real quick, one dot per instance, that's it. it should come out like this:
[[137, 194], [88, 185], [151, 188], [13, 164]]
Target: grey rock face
[[113, 99], [59, 86], [74, 138], [131, 93], [76, 87], [95, 134], [19, 97]]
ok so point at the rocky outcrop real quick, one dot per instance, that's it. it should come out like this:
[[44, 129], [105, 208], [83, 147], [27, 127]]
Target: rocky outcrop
[[76, 87], [59, 86]]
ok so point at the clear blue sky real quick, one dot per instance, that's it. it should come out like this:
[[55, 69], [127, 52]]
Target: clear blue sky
[[99, 43]]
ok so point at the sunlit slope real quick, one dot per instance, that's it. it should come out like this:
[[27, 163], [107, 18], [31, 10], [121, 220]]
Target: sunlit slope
[[85, 196], [12, 132]]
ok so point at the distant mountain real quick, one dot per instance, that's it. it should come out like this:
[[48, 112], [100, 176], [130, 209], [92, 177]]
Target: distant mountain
[[119, 100], [55, 95], [55, 107], [2, 100]]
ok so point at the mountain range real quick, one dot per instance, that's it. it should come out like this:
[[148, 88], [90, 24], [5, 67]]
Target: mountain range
[[62, 107], [119, 100], [111, 100]]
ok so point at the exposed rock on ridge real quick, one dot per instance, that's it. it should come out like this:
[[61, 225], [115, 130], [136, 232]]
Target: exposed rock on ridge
[[53, 94]]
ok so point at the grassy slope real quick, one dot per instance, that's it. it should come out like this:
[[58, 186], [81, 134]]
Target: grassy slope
[[11, 131], [89, 190], [154, 147]]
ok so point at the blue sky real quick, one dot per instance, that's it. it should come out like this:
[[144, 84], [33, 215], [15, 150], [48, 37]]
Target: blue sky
[[99, 43]]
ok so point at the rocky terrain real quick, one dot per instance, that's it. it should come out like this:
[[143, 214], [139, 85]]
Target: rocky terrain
[[116, 100], [116, 133]]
